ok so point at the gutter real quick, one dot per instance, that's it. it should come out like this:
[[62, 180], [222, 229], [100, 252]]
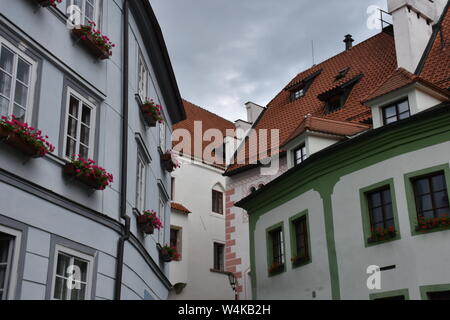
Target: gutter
[[125, 229]]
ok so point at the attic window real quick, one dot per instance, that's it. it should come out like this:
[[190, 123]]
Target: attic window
[[334, 104], [299, 90], [336, 98], [342, 74]]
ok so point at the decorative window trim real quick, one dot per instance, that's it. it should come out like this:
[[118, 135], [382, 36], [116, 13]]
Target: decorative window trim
[[143, 147], [269, 248], [366, 215], [90, 259], [424, 290], [292, 236], [141, 177], [32, 80], [162, 136], [13, 281], [412, 210], [97, 11], [73, 92], [304, 156], [388, 294], [143, 95]]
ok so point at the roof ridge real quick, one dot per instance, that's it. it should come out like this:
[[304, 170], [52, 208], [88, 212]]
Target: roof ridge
[[206, 110]]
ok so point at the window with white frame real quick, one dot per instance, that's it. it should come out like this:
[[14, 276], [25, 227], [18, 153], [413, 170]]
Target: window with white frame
[[141, 182], [162, 136], [17, 73], [161, 214], [80, 126], [6, 255], [72, 275], [143, 77], [89, 10]]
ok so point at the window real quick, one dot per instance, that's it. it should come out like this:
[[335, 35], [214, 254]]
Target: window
[[219, 257], [70, 262], [300, 154], [16, 82], [396, 112], [217, 202], [172, 188], [439, 295], [301, 239], [162, 216], [431, 196], [6, 252], [381, 213], [298, 94], [162, 136], [277, 241], [89, 10], [392, 298], [175, 238], [141, 180], [143, 77], [334, 103], [80, 121]]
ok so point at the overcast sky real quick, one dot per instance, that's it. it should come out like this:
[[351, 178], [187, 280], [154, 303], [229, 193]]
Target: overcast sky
[[227, 52]]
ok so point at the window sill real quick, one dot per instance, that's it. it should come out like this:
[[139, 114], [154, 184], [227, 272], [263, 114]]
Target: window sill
[[219, 272], [374, 242], [438, 228], [278, 271], [217, 215], [300, 263]]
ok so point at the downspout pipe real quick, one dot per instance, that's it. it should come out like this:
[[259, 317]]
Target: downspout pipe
[[125, 234]]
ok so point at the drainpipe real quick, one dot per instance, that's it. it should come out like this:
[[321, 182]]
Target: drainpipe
[[125, 234]]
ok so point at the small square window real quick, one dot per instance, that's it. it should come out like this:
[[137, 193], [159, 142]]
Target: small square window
[[396, 112], [300, 154]]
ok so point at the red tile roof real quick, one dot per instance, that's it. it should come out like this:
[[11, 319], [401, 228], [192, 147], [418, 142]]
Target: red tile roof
[[208, 119], [179, 207], [374, 58], [436, 66], [338, 128], [400, 78]]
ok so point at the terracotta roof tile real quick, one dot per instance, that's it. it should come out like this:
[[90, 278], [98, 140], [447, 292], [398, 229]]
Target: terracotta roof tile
[[374, 58], [436, 68], [179, 207], [338, 128], [209, 121]]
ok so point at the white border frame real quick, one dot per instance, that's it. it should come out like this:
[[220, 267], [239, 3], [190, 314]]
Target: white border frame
[[76, 254], [71, 91], [15, 260]]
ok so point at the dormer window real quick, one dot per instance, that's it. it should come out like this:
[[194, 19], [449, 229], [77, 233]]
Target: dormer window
[[299, 89], [300, 154], [298, 94], [395, 112], [336, 98], [342, 74]]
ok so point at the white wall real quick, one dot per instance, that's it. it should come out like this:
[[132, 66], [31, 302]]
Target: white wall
[[194, 183]]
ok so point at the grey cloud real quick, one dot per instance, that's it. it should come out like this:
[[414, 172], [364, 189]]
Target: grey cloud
[[228, 52]]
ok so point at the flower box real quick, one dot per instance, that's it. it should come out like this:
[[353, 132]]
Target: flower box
[[296, 261], [24, 138], [381, 234], [433, 223], [168, 254], [99, 45], [148, 222], [151, 112], [48, 3], [88, 173], [169, 161]]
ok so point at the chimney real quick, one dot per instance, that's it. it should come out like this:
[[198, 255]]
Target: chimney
[[253, 111], [413, 26], [348, 42]]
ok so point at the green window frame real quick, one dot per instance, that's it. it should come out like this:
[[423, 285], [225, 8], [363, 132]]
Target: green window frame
[[302, 216], [411, 198], [424, 290], [390, 294], [271, 268], [370, 239]]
